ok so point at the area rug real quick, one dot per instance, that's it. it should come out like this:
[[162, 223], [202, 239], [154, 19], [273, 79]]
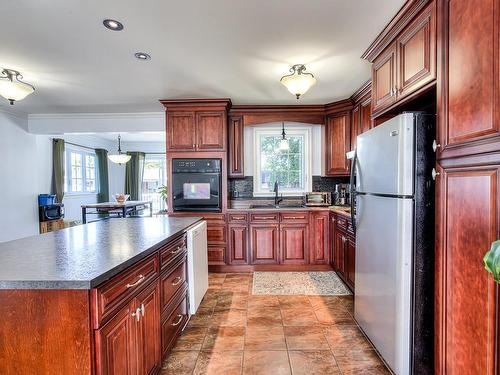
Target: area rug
[[299, 283]]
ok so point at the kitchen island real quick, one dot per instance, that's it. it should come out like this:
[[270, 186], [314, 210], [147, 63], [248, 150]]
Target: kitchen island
[[103, 298]]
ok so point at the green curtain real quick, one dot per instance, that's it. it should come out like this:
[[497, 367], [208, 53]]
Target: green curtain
[[58, 168], [134, 172], [102, 175]]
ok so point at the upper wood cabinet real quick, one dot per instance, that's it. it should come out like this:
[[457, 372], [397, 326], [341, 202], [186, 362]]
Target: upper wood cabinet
[[408, 63], [338, 143], [469, 97], [384, 79], [196, 124], [365, 110], [236, 147], [361, 120], [355, 125]]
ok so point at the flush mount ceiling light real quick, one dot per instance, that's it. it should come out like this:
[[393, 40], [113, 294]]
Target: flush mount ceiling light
[[142, 56], [284, 145], [11, 86], [119, 158], [113, 25], [299, 82]]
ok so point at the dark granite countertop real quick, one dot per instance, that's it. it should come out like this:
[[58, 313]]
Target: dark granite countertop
[[84, 256]]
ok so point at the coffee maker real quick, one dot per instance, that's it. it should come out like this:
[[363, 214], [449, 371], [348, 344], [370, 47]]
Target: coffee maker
[[341, 196]]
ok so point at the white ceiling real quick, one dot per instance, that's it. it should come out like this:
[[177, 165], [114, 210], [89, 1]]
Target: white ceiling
[[134, 136], [200, 48]]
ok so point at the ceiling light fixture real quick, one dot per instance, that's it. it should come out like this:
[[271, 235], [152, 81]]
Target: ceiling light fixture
[[113, 25], [284, 145], [11, 86], [142, 56], [299, 82], [119, 158]]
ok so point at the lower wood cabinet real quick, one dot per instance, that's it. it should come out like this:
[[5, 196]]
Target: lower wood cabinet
[[320, 238], [264, 243], [129, 343], [294, 243], [238, 243], [343, 249]]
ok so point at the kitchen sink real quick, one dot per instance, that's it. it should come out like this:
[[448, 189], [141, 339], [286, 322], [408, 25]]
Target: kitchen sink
[[268, 206]]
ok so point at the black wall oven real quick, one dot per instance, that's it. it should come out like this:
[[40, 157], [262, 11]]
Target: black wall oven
[[196, 184]]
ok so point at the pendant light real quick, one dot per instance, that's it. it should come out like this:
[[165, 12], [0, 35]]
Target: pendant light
[[284, 142], [119, 158], [299, 82], [11, 86]]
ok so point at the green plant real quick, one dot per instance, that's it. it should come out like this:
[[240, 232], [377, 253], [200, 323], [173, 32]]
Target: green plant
[[163, 193], [492, 261]]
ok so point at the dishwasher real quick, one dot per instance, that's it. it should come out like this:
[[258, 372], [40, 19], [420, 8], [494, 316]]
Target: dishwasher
[[197, 265]]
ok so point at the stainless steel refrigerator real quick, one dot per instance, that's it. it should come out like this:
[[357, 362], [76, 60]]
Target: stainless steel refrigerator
[[394, 224]]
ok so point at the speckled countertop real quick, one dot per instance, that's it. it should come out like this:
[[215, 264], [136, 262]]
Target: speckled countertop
[[84, 256]]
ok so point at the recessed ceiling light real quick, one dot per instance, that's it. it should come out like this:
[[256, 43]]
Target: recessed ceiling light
[[142, 56], [112, 25]]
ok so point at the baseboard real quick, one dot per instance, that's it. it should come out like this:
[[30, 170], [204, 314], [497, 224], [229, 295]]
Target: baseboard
[[269, 267]]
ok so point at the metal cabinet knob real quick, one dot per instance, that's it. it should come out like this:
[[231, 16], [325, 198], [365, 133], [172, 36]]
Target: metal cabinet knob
[[435, 145], [434, 174]]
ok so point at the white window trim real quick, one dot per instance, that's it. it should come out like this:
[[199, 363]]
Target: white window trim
[[84, 151], [290, 130]]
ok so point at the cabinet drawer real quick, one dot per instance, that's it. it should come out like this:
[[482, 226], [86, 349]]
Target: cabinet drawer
[[241, 217], [172, 250], [173, 324], [216, 255], [341, 222], [215, 219], [118, 291], [172, 282], [264, 217], [216, 234], [294, 217]]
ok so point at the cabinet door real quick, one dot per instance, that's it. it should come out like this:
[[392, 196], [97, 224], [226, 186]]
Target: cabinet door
[[337, 144], [238, 244], [320, 238], [211, 131], [294, 243], [384, 79], [264, 243], [148, 330], [467, 297], [339, 252], [416, 49], [332, 240], [350, 261], [116, 350], [181, 132], [470, 95], [355, 125], [366, 116], [236, 150]]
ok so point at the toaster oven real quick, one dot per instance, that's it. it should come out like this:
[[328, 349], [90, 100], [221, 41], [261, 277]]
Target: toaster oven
[[318, 199]]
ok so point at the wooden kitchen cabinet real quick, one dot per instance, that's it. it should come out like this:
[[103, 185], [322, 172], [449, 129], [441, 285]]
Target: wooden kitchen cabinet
[[238, 243], [355, 126], [211, 131], [343, 249], [320, 238], [350, 261], [339, 251], [236, 147], [264, 243], [181, 131], [365, 109], [407, 64], [338, 143], [294, 243]]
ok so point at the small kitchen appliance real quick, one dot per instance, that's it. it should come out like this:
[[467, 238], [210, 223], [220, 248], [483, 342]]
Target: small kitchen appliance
[[318, 199]]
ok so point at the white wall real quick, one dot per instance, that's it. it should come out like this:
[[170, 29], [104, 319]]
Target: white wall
[[19, 178], [317, 146]]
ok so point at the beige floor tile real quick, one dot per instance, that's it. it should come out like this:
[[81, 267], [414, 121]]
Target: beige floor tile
[[305, 338], [224, 339], [191, 339], [265, 338], [179, 363], [299, 316], [219, 363], [346, 337], [313, 363], [266, 363]]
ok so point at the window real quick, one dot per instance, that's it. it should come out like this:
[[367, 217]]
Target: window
[[291, 168], [80, 172], [154, 179]]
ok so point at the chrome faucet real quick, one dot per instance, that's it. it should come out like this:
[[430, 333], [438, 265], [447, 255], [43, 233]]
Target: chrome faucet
[[277, 199]]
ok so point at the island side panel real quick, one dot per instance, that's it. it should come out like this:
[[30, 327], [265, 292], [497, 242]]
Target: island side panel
[[45, 332]]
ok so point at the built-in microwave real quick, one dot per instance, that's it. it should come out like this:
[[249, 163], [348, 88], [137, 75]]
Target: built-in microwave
[[51, 212], [318, 199]]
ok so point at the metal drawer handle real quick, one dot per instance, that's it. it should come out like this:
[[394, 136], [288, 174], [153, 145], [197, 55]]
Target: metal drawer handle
[[179, 249], [137, 314], [265, 217], [141, 279], [238, 217], [294, 217], [177, 281], [178, 321], [143, 309]]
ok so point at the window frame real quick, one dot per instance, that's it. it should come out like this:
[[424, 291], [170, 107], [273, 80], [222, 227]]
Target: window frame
[[83, 152], [306, 132]]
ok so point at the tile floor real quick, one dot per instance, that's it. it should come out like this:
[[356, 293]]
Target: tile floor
[[235, 332]]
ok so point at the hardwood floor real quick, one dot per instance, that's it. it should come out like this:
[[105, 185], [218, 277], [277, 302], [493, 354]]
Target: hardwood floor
[[235, 332]]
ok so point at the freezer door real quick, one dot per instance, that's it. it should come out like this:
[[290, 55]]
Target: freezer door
[[382, 307], [385, 157]]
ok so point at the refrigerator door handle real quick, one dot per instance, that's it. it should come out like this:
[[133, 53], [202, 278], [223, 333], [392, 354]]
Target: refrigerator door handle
[[353, 190]]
